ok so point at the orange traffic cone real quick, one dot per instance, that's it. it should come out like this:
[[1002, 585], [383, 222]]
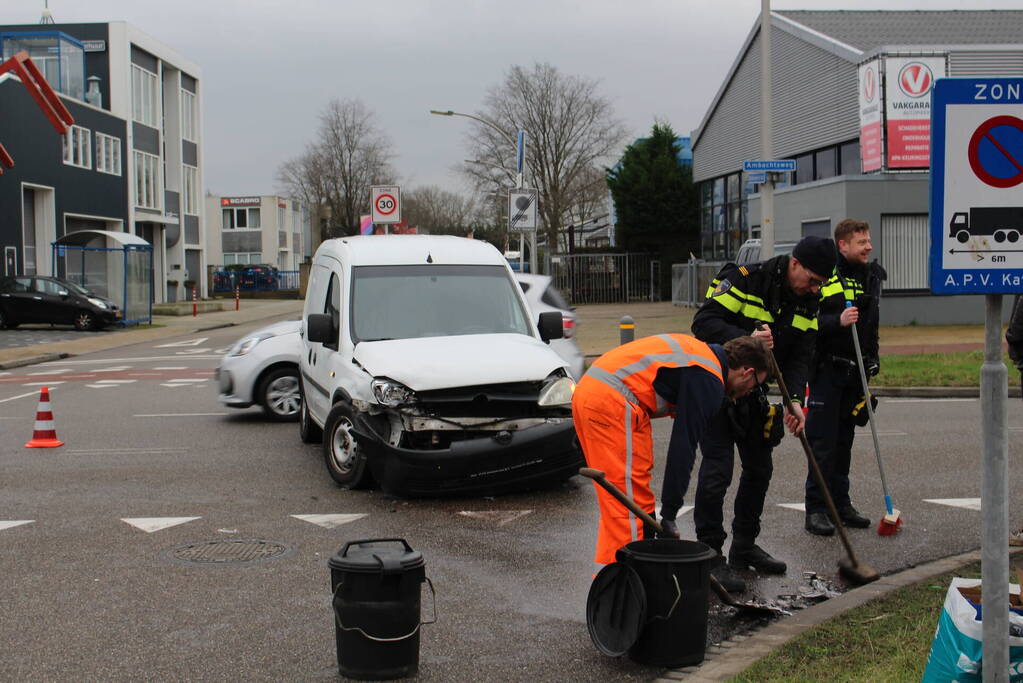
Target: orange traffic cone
[[44, 435]]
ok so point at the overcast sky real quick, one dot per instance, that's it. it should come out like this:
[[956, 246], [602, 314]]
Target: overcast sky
[[270, 66]]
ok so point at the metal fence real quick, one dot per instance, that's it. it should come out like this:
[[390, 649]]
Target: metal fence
[[689, 281], [255, 280], [606, 278]]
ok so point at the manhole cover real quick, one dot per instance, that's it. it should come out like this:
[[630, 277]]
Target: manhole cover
[[234, 551]]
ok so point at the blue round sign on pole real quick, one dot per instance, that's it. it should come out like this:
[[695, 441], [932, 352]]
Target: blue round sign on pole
[[996, 151]]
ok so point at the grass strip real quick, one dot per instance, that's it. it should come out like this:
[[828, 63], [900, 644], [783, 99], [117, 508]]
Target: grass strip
[[887, 639], [959, 369]]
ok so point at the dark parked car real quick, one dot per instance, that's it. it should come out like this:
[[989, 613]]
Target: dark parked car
[[39, 299]]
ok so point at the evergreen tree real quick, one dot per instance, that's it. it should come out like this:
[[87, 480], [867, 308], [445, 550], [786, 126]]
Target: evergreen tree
[[656, 201]]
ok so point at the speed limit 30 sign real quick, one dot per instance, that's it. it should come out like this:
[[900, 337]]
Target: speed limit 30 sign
[[386, 203]]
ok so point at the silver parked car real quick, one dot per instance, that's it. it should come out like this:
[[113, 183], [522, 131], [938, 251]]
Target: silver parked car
[[262, 369], [542, 297]]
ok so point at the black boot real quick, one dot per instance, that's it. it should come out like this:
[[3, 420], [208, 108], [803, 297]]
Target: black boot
[[742, 556], [729, 580], [819, 524], [851, 517]]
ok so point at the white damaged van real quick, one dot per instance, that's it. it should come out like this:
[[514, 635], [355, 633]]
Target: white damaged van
[[422, 371]]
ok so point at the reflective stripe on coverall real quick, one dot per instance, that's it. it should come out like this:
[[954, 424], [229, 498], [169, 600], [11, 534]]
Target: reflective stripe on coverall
[[612, 407]]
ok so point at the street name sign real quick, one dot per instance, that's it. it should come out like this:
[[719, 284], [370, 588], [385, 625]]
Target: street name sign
[[976, 213], [522, 210], [386, 203], [773, 165], [756, 177]]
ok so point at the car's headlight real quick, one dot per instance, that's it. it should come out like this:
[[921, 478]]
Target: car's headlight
[[247, 344], [557, 392], [98, 303], [390, 393]]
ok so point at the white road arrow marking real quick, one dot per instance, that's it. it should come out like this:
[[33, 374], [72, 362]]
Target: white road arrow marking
[[13, 523], [501, 517], [793, 506], [187, 342], [968, 503], [330, 521], [151, 524]]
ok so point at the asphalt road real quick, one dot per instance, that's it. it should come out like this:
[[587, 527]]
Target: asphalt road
[[88, 595]]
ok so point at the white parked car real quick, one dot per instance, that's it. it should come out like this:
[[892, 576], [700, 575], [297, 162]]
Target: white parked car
[[262, 369], [542, 296], [424, 369]]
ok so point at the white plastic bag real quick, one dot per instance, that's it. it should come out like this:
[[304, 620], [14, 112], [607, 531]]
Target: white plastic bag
[[956, 650]]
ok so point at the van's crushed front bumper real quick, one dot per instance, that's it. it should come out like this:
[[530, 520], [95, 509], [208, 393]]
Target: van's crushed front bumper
[[498, 461]]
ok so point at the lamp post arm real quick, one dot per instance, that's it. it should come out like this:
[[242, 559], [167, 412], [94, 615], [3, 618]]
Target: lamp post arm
[[485, 122]]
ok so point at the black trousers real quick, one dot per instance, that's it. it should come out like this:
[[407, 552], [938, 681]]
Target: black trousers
[[718, 447], [830, 434]]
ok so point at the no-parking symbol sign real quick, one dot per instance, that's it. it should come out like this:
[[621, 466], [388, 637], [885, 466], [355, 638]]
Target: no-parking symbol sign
[[977, 186]]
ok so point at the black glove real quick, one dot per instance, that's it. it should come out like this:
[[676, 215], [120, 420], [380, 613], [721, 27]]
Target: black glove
[[872, 366], [669, 529], [855, 409]]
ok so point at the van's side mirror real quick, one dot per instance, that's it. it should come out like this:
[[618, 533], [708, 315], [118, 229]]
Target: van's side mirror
[[319, 328], [551, 326]]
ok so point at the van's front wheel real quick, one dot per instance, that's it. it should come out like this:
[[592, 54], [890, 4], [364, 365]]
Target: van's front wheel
[[346, 462]]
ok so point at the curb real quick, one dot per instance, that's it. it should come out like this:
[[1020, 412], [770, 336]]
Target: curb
[[759, 644], [32, 360]]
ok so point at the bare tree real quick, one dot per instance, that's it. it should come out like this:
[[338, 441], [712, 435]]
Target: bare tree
[[570, 129], [439, 212], [349, 155]]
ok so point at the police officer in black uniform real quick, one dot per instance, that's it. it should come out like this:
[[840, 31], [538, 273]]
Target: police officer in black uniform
[[781, 294], [837, 402]]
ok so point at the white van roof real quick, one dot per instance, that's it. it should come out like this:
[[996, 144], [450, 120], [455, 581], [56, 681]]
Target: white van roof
[[383, 250]]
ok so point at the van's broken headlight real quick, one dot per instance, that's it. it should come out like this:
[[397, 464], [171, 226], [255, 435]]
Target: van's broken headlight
[[391, 393], [557, 392]]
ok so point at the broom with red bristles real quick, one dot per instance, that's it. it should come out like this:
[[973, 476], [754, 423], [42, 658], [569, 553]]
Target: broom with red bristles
[[892, 519]]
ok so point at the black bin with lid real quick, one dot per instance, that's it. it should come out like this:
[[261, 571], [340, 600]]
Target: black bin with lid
[[377, 585]]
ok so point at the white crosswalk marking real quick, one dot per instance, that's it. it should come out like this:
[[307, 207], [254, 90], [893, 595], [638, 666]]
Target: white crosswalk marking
[[186, 380], [116, 381], [119, 368], [57, 371], [968, 503], [501, 517], [101, 386], [331, 521], [171, 367], [41, 384], [13, 523], [151, 524], [793, 506], [187, 342]]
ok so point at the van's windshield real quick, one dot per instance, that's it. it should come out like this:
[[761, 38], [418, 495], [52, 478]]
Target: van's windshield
[[406, 302]]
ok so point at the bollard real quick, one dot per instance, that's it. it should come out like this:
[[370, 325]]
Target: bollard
[[195, 305], [237, 298], [626, 329]]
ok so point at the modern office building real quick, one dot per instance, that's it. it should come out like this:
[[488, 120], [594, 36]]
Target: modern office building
[[258, 229], [851, 94], [132, 162]]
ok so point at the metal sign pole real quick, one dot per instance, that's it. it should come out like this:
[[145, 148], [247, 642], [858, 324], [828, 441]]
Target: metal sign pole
[[766, 133], [994, 389]]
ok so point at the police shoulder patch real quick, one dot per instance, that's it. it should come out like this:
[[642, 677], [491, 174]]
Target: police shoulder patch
[[722, 287], [743, 270]]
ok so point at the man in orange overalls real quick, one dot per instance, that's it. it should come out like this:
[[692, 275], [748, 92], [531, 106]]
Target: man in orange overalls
[[667, 374]]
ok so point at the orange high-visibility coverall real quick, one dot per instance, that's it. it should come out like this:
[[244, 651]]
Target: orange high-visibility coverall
[[612, 407]]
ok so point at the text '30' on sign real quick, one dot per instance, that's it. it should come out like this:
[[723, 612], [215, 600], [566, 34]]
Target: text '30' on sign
[[977, 186]]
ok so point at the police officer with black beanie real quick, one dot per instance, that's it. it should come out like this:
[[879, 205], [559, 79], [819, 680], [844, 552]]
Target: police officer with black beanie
[[782, 295]]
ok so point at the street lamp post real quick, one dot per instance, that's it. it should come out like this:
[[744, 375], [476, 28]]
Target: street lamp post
[[518, 142]]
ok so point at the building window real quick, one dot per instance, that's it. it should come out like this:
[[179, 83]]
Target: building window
[[189, 129], [57, 55], [240, 218], [241, 258], [108, 154], [148, 187], [804, 169], [144, 105], [825, 163], [849, 158], [190, 190], [78, 147]]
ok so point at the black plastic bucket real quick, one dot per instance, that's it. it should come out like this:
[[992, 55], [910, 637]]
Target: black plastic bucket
[[376, 585], [674, 574]]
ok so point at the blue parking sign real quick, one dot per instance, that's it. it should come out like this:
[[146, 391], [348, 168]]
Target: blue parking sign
[[976, 211]]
